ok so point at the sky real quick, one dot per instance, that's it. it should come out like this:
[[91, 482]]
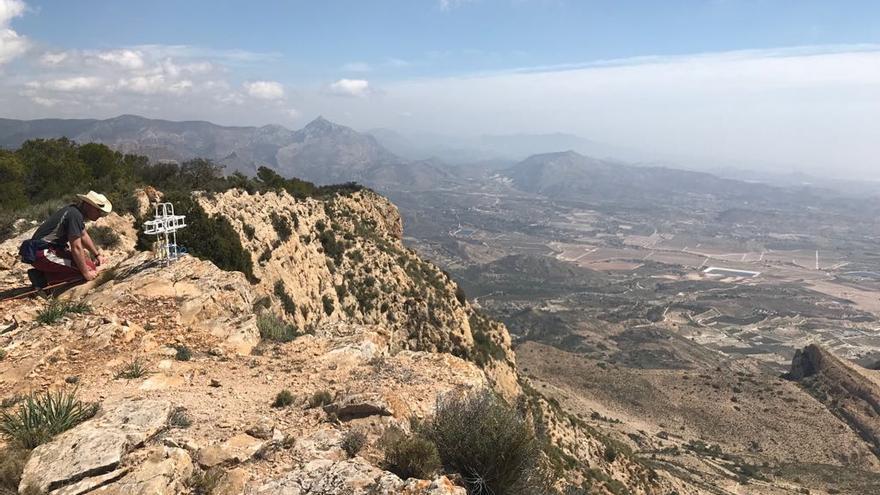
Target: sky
[[755, 84]]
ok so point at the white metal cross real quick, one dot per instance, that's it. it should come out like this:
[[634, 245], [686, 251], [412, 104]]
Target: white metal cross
[[164, 226]]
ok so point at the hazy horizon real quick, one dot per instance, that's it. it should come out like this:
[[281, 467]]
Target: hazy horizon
[[704, 84]]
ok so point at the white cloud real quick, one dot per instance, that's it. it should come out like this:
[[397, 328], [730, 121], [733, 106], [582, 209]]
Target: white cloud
[[293, 113], [128, 59], [52, 59], [265, 90], [451, 4], [12, 44], [73, 84], [357, 67], [10, 9], [350, 87]]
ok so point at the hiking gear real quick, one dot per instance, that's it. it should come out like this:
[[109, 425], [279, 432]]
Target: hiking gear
[[28, 249], [97, 200], [21, 292]]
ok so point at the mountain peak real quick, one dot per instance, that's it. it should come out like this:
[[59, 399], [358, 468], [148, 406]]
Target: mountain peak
[[322, 124]]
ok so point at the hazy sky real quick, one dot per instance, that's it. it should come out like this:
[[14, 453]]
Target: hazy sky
[[792, 84]]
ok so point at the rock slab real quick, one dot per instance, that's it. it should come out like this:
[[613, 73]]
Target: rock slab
[[95, 447]]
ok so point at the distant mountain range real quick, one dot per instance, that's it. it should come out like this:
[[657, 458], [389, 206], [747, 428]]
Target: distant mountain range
[[322, 151]]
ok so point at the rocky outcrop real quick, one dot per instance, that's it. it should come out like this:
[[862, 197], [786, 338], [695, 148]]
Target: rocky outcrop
[[843, 388], [95, 448], [342, 260]]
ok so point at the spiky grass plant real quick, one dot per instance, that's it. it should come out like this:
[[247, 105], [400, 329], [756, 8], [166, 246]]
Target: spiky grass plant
[[133, 369], [56, 310], [39, 417]]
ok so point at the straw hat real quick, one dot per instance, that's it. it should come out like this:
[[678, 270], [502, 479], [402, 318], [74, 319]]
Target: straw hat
[[99, 201]]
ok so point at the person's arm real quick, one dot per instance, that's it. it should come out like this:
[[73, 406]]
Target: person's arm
[[90, 246], [78, 251]]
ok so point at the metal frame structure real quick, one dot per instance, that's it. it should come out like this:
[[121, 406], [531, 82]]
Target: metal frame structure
[[164, 226]]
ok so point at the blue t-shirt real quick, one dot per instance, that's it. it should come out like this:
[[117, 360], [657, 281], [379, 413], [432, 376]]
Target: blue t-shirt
[[65, 225]]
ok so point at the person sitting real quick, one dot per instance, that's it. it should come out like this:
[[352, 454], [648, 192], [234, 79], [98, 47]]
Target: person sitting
[[59, 248]]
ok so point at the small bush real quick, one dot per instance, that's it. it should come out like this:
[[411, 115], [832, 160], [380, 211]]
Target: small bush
[[332, 248], [179, 418], [460, 295], [103, 236], [40, 417], [320, 398], [353, 442], [286, 301], [410, 456], [211, 237], [183, 353], [249, 231], [327, 301], [283, 399], [56, 310], [205, 482], [281, 226], [275, 329], [484, 439], [2, 354], [133, 369]]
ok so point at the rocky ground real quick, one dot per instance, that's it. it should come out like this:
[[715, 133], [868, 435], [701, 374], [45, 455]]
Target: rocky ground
[[185, 385]]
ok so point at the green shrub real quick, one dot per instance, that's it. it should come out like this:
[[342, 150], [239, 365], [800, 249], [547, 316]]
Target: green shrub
[[332, 248], [327, 301], [105, 237], [211, 238], [249, 231], [56, 310], [488, 442], [133, 369], [283, 399], [179, 418], [275, 329], [183, 353], [205, 482], [281, 226], [353, 442], [460, 295], [320, 398], [2, 354], [410, 456], [485, 349], [286, 301], [40, 417]]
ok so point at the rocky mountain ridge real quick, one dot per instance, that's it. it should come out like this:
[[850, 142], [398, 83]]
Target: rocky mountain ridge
[[848, 392], [322, 152], [377, 336]]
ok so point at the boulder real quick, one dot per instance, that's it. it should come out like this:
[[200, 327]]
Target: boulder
[[164, 472], [359, 406], [237, 449], [95, 447], [350, 477]]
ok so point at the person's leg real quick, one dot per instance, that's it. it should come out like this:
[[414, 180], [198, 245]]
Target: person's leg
[[58, 265]]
